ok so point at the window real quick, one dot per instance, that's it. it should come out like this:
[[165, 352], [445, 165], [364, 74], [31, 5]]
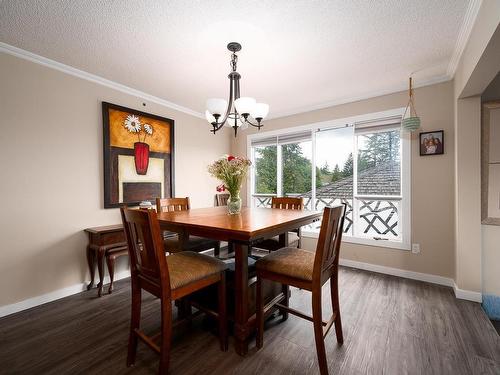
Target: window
[[362, 162], [296, 166], [377, 183], [282, 167], [334, 171], [264, 158]]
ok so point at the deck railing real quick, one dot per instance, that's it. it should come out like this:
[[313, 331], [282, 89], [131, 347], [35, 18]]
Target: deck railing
[[377, 217]]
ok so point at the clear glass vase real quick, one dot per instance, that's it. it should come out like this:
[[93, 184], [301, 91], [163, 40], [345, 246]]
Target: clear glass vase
[[234, 203]]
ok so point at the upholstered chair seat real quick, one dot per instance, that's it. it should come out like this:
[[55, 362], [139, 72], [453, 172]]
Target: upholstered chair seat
[[273, 243], [193, 243], [289, 261], [187, 267]]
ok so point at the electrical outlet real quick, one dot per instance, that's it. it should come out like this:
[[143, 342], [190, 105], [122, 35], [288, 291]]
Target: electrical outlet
[[415, 248]]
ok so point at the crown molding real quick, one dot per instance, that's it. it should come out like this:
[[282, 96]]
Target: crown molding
[[463, 36], [392, 90], [26, 55]]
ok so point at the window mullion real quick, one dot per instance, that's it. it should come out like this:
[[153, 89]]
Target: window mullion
[[279, 171], [253, 170], [355, 205], [313, 172]]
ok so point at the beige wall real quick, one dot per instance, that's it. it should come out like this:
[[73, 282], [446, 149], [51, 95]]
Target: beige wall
[[432, 180], [468, 194], [478, 65], [491, 233], [485, 25], [491, 259], [51, 155], [52, 172]]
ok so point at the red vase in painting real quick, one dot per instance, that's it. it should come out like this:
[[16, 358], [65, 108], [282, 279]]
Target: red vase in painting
[[141, 157]]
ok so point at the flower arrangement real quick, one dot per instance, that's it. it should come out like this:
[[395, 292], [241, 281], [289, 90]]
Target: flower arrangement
[[141, 148], [232, 171], [134, 125]]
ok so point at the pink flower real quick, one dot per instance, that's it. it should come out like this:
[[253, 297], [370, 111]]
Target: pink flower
[[230, 157], [220, 188]]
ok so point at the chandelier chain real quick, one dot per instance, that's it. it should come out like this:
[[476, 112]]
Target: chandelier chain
[[234, 61]]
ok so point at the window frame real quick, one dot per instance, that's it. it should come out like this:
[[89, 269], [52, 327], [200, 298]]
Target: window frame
[[405, 203]]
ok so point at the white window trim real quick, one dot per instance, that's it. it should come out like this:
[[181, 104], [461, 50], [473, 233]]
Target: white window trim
[[405, 243]]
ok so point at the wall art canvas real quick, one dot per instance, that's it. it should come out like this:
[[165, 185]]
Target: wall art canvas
[[138, 156]]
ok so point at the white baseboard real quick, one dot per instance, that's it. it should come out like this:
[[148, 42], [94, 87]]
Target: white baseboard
[[77, 288], [55, 295], [434, 279], [467, 294]]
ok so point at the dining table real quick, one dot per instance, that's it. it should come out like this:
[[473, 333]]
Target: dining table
[[243, 231]]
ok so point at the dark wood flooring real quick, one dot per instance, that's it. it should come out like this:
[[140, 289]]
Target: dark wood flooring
[[496, 324], [391, 326]]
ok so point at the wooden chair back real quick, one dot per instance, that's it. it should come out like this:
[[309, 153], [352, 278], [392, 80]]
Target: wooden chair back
[[221, 199], [287, 203], [172, 204], [145, 246], [327, 251]]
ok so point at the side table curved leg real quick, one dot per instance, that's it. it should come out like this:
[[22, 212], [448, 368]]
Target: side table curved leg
[[100, 268], [91, 264], [110, 261]]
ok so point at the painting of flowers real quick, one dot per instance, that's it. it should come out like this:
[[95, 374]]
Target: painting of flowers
[[138, 156], [141, 149]]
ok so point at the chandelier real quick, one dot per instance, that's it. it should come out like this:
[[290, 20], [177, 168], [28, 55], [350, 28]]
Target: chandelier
[[239, 112]]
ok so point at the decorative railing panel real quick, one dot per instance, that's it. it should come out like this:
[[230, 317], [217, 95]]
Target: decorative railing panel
[[262, 200], [322, 202], [377, 218]]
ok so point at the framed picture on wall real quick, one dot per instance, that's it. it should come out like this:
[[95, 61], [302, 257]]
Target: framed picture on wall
[[432, 143], [138, 156]]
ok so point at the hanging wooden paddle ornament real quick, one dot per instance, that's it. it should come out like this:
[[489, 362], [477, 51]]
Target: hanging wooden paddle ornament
[[412, 122]]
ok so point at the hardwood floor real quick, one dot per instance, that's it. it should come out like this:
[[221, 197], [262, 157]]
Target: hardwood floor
[[496, 324], [391, 326]]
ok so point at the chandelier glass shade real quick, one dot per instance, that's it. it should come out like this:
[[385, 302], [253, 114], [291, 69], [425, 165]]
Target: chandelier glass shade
[[238, 112]]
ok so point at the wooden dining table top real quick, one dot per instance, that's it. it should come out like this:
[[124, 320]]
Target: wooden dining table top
[[248, 224]]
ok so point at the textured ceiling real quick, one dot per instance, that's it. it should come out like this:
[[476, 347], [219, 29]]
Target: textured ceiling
[[296, 55]]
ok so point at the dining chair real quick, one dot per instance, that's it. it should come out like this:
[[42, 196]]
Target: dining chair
[[309, 271], [169, 278], [295, 237], [221, 199], [174, 242]]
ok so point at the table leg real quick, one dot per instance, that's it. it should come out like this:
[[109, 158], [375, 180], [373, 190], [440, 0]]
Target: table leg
[[283, 240], [100, 268], [241, 329], [91, 264]]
